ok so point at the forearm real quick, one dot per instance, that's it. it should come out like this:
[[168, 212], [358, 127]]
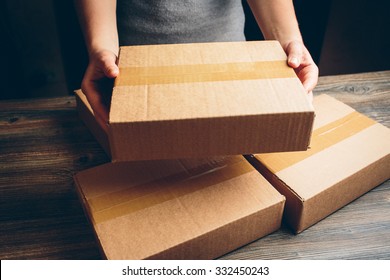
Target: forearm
[[98, 23], [276, 19]]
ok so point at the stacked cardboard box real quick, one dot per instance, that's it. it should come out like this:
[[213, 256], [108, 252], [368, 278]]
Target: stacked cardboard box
[[349, 155], [178, 209]]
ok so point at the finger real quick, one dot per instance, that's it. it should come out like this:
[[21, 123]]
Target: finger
[[109, 66], [294, 52], [309, 77]]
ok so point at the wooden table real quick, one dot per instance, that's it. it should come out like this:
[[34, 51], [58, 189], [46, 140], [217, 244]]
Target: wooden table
[[43, 143]]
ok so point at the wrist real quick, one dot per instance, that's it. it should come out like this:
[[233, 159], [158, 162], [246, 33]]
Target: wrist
[[285, 38], [286, 42], [99, 52], [106, 41], [98, 49]]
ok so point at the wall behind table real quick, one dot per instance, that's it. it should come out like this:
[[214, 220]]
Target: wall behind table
[[357, 38], [30, 50]]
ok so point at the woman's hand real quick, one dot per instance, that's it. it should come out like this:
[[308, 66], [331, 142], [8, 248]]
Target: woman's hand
[[277, 21], [97, 84], [299, 58]]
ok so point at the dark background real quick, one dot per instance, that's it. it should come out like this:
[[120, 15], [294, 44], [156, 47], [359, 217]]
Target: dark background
[[43, 54]]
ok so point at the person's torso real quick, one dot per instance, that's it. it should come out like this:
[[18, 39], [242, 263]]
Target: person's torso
[[143, 22]]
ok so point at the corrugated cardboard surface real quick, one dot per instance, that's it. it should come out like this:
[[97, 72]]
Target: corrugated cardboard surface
[[178, 209], [349, 154], [194, 100], [86, 114]]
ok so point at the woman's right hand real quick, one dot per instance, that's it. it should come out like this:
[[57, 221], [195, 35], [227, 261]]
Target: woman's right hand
[[97, 83]]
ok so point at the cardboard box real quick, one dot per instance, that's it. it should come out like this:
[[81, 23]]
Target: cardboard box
[[175, 209], [86, 114], [196, 100], [178, 209], [349, 155]]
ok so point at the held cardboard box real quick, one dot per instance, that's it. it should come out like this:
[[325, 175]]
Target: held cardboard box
[[178, 209], [349, 155], [203, 99]]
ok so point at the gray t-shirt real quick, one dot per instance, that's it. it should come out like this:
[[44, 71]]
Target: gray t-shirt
[[143, 22]]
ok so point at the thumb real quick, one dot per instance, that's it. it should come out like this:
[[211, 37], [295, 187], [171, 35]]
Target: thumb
[[109, 66], [294, 52]]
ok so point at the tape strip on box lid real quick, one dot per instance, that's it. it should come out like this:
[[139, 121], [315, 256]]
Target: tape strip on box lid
[[120, 203], [322, 138], [131, 76]]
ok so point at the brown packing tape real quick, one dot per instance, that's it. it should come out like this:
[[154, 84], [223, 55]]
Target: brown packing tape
[[322, 138], [124, 202], [131, 76]]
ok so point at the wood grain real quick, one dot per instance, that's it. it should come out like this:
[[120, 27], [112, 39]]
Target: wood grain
[[43, 143]]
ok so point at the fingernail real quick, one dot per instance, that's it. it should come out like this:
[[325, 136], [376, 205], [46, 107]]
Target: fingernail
[[113, 72], [294, 61]]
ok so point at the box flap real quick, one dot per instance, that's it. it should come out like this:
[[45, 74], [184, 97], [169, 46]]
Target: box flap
[[143, 209]]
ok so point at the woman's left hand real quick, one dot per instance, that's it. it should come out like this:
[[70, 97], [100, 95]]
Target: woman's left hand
[[299, 58]]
